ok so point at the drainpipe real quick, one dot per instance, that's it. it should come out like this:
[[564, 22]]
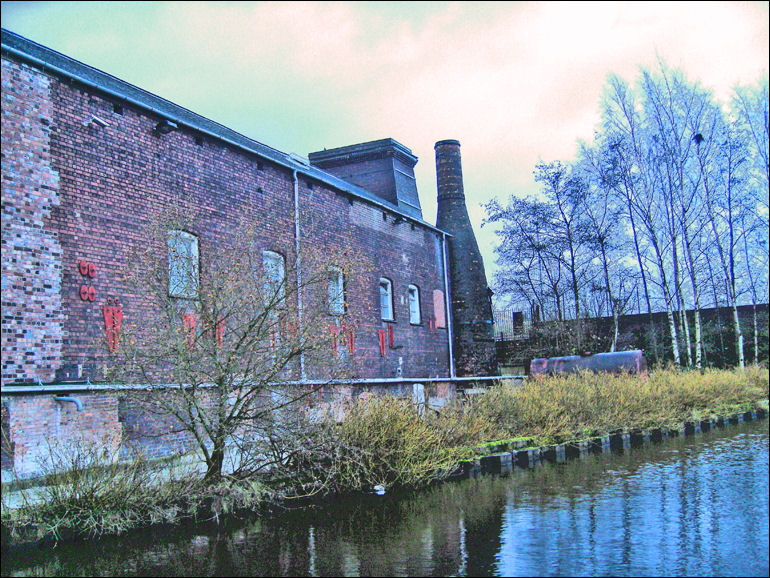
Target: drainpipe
[[447, 304], [302, 375], [76, 401]]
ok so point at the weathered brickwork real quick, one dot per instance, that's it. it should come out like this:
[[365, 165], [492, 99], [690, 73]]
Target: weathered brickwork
[[403, 254], [113, 180], [40, 428], [77, 189], [474, 344], [32, 319]]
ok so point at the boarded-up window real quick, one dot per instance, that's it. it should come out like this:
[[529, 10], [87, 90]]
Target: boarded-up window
[[438, 308]]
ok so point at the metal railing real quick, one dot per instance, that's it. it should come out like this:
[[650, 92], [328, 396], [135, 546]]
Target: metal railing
[[511, 325]]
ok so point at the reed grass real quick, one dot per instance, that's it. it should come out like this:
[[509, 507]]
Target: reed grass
[[576, 406]]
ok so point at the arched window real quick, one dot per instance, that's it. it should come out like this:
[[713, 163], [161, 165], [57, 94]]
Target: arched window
[[386, 299], [336, 291], [274, 276], [182, 265], [415, 317]]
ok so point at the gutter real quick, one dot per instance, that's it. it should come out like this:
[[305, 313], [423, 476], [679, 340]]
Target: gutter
[[299, 273], [448, 308], [308, 173]]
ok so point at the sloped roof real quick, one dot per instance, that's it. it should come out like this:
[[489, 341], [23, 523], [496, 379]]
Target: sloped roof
[[63, 65]]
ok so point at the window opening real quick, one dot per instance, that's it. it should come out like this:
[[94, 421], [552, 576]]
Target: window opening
[[274, 276], [182, 265], [336, 291], [414, 305], [386, 300]]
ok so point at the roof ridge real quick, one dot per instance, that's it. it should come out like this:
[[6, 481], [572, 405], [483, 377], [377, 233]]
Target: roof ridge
[[20, 45]]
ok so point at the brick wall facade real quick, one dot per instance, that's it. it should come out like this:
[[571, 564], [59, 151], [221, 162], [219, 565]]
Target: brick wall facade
[[37, 428], [78, 190], [32, 316], [73, 191]]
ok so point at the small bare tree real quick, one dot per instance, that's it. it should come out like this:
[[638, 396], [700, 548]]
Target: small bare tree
[[233, 326]]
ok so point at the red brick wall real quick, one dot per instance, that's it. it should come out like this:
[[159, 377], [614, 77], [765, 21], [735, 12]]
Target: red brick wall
[[402, 254], [39, 427], [111, 180], [32, 319]]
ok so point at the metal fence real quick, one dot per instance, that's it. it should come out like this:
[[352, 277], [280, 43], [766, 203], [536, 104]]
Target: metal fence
[[510, 324]]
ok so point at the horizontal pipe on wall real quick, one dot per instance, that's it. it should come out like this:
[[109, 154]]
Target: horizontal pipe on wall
[[64, 387]]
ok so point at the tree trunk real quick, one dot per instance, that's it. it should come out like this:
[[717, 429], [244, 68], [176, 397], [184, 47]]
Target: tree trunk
[[698, 340], [669, 299], [653, 332], [688, 344], [214, 464], [696, 296], [719, 314], [756, 336], [672, 329], [615, 333], [738, 336]]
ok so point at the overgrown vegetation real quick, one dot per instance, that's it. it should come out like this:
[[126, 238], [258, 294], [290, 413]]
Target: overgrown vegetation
[[383, 441], [578, 405], [388, 443], [88, 493]]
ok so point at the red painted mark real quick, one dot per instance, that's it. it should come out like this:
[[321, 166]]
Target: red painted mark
[[383, 340], [190, 322], [220, 332], [335, 331], [113, 318], [351, 341]]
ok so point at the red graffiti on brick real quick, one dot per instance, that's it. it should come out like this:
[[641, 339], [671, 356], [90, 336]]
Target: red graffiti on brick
[[113, 319]]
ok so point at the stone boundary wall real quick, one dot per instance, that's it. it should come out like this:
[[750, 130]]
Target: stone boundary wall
[[634, 333]]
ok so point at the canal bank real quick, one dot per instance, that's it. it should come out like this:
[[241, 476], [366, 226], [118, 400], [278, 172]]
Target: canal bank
[[388, 442], [694, 505], [496, 458], [505, 456]]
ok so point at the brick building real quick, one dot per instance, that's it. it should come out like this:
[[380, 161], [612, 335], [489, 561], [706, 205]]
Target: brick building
[[88, 159]]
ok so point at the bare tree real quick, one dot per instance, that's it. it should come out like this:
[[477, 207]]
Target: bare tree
[[672, 185], [228, 340]]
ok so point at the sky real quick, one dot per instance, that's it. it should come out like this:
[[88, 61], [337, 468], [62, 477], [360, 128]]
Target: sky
[[514, 82]]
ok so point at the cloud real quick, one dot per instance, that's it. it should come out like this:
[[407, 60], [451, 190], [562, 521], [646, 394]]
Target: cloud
[[514, 82]]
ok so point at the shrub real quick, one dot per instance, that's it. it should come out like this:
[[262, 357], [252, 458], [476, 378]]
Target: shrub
[[385, 441], [86, 492]]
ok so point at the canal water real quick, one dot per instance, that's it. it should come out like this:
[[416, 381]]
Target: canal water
[[683, 507]]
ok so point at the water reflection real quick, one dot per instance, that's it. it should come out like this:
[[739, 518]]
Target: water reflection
[[692, 506]]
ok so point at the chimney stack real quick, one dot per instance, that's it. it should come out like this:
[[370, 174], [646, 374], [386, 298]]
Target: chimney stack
[[383, 167], [471, 306]]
